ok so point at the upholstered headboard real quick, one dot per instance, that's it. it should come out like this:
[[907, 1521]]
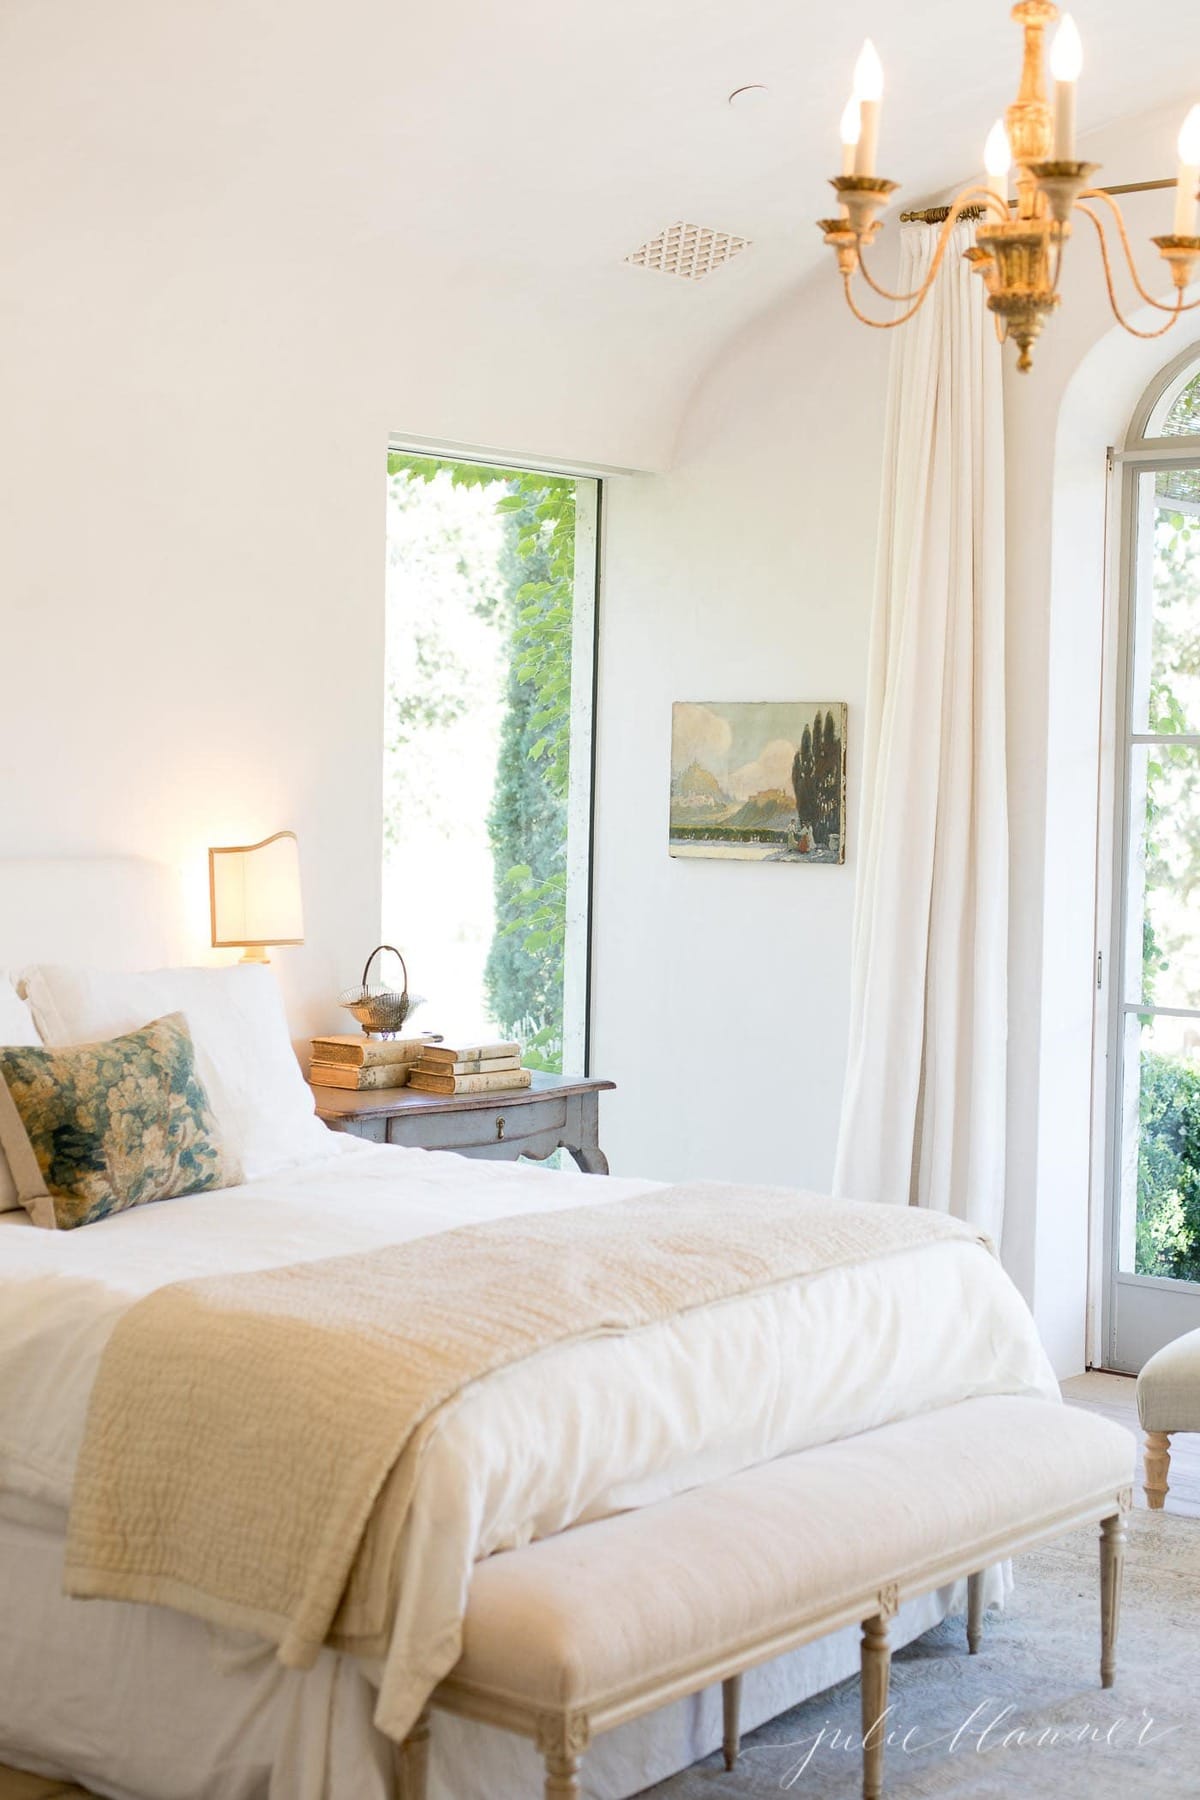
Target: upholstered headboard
[[117, 912]]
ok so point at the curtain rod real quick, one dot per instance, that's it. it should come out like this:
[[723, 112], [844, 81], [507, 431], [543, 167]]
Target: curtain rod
[[937, 215]]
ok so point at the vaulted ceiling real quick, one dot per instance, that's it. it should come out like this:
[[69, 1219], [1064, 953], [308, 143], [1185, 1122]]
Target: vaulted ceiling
[[460, 181]]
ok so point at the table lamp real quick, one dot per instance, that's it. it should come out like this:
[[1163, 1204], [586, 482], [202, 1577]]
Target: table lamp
[[254, 896]]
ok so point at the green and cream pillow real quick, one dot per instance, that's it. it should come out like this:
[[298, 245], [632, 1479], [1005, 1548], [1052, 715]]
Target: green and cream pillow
[[91, 1129]]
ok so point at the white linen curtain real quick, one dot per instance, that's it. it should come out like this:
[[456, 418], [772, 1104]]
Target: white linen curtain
[[923, 1117]]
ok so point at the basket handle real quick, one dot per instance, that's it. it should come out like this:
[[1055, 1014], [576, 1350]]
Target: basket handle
[[379, 948]]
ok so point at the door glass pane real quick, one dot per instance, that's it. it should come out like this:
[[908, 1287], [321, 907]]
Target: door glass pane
[[1166, 662], [1160, 1140], [1162, 962]]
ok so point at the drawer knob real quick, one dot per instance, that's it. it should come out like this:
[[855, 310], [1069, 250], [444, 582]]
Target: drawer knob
[[501, 1127]]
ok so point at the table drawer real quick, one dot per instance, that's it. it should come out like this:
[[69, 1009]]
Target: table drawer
[[479, 1127]]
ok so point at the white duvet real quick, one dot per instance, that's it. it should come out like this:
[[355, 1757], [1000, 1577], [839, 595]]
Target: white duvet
[[581, 1430]]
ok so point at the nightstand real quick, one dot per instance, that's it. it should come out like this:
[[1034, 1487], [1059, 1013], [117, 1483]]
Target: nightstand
[[557, 1111]]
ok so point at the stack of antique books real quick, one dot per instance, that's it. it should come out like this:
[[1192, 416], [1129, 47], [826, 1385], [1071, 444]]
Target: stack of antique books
[[468, 1069], [351, 1060]]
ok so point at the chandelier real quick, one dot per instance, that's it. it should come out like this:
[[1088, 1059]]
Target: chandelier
[[1018, 246]]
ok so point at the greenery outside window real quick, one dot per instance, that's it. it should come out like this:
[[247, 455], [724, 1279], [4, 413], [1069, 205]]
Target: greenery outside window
[[488, 747]]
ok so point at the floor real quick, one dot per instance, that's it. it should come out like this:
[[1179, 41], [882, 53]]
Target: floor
[[1110, 1395]]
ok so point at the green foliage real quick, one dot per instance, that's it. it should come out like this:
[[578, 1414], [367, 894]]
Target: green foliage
[[527, 822], [1168, 1214]]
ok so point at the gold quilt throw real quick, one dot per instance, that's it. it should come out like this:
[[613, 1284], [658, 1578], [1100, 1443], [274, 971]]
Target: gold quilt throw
[[244, 1429]]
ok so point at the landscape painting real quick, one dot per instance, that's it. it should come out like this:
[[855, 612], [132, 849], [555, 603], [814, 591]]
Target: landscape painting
[[759, 781]]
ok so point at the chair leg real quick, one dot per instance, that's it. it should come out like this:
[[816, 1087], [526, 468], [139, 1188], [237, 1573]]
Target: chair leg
[[1158, 1464], [876, 1668], [974, 1612], [731, 1706], [562, 1777], [414, 1760], [1112, 1568]]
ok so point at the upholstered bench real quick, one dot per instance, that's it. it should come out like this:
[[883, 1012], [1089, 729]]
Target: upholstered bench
[[580, 1632], [1168, 1397]]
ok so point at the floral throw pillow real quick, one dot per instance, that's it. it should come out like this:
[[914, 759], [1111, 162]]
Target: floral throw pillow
[[94, 1128]]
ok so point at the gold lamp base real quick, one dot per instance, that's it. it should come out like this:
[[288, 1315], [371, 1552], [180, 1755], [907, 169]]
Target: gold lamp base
[[254, 953]]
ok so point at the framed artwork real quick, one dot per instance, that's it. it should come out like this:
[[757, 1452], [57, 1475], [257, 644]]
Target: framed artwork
[[759, 781]]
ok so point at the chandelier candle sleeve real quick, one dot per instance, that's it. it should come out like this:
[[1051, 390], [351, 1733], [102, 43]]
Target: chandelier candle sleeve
[[851, 132], [1189, 175], [997, 160], [868, 91], [1066, 64]]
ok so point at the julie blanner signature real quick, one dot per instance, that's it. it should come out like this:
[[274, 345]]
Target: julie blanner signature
[[992, 1726]]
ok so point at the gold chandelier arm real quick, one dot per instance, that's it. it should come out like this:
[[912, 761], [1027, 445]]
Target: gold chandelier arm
[[880, 324], [1112, 293], [969, 199], [1118, 216]]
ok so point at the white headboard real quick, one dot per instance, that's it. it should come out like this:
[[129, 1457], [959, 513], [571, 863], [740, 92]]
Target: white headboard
[[109, 912]]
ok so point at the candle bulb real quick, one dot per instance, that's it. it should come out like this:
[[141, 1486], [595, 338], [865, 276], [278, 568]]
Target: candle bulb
[[868, 91], [997, 160], [1189, 175], [851, 131], [1066, 62]]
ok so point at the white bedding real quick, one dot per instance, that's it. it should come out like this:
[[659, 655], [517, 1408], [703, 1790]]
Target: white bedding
[[584, 1429]]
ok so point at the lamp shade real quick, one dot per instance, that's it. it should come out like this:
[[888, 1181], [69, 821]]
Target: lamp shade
[[254, 891]]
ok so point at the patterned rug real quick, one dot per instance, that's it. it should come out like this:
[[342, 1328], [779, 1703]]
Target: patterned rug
[[1026, 1719]]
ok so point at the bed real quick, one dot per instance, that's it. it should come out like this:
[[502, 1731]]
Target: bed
[[150, 1703]]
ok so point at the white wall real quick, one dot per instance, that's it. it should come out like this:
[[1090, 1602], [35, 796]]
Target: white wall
[[744, 574], [191, 534]]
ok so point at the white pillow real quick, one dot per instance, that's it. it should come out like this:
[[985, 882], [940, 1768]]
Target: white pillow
[[16, 1027], [244, 1057]]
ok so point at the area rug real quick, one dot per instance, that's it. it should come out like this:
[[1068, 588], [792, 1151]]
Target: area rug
[[1026, 1719]]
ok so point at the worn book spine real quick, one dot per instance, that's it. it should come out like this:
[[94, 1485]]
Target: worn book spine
[[469, 1065], [367, 1053], [450, 1053], [504, 1079], [343, 1075]]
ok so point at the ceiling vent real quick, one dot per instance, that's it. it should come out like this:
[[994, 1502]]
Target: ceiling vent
[[689, 251]]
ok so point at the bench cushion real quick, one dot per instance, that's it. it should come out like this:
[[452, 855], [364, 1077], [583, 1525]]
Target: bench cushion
[[1168, 1389], [582, 1618]]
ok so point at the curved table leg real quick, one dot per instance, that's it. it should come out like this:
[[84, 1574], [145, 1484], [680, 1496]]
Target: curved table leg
[[590, 1158]]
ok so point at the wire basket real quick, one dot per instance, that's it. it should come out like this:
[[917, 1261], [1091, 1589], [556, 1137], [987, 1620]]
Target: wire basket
[[377, 1008]]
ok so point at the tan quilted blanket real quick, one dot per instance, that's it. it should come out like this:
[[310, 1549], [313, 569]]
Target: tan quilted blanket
[[253, 1440]]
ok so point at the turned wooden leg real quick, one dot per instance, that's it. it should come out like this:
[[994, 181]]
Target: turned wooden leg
[[731, 1706], [1112, 1567], [974, 1612], [1158, 1464], [562, 1778], [876, 1666], [414, 1760]]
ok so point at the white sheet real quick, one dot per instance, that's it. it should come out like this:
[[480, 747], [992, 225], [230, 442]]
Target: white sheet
[[582, 1430]]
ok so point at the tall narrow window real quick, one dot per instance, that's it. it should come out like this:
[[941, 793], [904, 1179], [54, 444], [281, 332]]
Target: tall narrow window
[[488, 748], [1155, 1290]]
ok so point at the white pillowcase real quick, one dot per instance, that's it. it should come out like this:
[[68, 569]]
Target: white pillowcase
[[244, 1057], [16, 1027]]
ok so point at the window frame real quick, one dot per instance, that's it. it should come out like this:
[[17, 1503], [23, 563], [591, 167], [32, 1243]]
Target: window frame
[[594, 565]]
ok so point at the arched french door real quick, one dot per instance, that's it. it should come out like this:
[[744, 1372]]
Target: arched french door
[[1153, 1251]]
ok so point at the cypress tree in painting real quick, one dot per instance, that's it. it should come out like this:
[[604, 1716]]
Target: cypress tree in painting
[[817, 779]]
